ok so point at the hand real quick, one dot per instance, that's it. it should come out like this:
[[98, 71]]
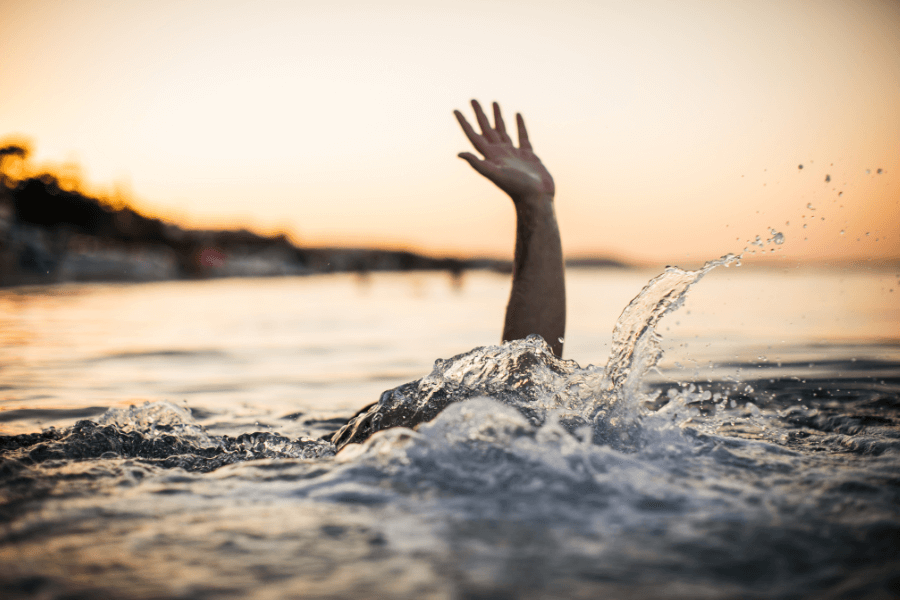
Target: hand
[[516, 171]]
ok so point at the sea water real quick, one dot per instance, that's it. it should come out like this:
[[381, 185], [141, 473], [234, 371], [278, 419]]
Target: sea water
[[175, 440]]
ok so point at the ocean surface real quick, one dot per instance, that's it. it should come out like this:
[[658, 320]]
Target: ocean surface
[[733, 432]]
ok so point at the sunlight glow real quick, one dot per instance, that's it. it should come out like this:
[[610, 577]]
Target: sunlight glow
[[672, 131]]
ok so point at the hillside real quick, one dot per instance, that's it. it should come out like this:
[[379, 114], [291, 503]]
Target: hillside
[[52, 233]]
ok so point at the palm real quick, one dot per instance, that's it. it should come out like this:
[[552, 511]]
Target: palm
[[516, 171]]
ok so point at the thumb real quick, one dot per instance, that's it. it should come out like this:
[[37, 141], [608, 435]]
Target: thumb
[[477, 164]]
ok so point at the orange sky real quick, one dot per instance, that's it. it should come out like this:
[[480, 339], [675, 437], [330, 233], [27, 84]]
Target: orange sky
[[674, 130]]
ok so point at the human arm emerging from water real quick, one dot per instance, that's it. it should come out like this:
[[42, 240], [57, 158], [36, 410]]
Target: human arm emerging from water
[[537, 303]]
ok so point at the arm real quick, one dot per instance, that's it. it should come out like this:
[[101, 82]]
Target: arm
[[537, 303]]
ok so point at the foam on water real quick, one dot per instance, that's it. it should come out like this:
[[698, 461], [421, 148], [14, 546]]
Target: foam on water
[[158, 418], [525, 374], [505, 472]]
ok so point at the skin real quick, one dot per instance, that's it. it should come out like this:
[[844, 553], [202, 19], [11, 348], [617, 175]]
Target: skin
[[537, 303]]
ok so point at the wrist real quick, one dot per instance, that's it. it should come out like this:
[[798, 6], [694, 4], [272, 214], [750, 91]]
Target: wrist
[[534, 206]]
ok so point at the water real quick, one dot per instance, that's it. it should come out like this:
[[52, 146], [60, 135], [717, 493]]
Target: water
[[759, 459]]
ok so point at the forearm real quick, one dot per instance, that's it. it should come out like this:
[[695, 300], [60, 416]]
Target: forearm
[[537, 303]]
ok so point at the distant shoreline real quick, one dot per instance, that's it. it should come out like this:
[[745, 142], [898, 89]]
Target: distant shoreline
[[49, 234]]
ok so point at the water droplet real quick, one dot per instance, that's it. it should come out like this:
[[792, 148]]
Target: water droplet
[[868, 171], [842, 232], [880, 171], [800, 167], [840, 194], [804, 226], [827, 178], [810, 206]]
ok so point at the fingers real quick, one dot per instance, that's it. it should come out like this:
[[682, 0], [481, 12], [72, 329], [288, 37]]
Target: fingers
[[476, 163], [491, 135], [523, 133], [476, 139], [486, 130], [499, 125]]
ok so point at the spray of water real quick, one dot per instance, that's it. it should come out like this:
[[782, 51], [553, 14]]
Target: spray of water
[[526, 375], [523, 374]]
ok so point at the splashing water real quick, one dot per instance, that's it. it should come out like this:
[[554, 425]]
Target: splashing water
[[523, 374], [635, 345], [159, 418], [526, 375], [505, 472]]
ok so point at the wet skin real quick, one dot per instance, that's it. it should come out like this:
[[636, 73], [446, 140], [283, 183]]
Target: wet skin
[[537, 303]]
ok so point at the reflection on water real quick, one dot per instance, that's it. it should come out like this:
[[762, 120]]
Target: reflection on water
[[270, 347], [760, 461], [325, 343]]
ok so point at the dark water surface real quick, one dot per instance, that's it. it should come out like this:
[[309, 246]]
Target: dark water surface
[[761, 459]]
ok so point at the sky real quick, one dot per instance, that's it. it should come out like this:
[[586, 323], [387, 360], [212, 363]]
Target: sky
[[674, 131]]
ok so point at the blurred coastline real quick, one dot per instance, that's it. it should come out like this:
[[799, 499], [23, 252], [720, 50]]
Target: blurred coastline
[[41, 246], [51, 232]]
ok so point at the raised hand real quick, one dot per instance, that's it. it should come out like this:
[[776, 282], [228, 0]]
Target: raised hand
[[516, 171], [537, 302]]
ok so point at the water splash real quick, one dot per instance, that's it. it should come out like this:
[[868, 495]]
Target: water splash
[[635, 344], [726, 486], [157, 433], [526, 375], [522, 373], [154, 419]]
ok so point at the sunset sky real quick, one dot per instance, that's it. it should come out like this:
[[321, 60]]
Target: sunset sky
[[674, 130]]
